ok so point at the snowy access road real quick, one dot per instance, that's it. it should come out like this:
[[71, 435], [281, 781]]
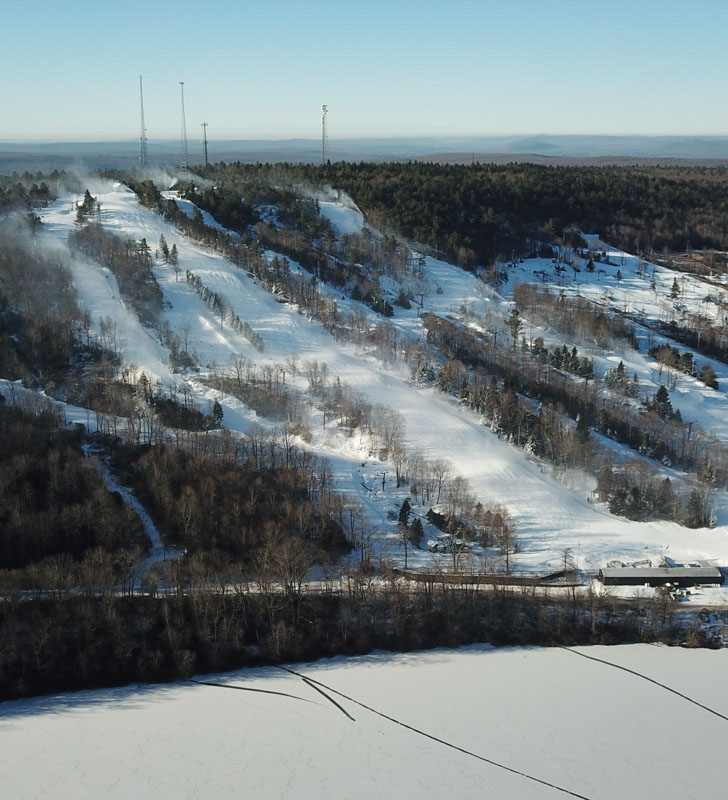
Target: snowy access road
[[158, 552], [520, 723], [550, 516]]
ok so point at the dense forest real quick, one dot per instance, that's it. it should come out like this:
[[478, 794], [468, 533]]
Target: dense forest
[[478, 213], [27, 191], [52, 502], [67, 642]]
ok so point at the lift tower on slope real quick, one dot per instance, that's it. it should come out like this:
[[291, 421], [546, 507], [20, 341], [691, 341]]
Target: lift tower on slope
[[324, 134], [143, 154], [204, 140], [183, 155]]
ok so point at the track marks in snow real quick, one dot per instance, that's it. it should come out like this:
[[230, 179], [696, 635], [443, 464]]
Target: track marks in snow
[[650, 680], [315, 684], [250, 689], [312, 684]]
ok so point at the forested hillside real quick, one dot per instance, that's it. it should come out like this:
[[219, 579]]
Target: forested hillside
[[477, 213], [282, 396]]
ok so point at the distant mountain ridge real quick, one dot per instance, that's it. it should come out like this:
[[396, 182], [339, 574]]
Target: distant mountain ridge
[[45, 156]]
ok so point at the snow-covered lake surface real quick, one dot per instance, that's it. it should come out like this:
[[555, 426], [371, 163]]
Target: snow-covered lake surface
[[577, 724]]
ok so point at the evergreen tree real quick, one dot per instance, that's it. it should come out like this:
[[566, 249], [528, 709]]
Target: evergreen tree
[[618, 502], [662, 404], [402, 299], [617, 378], [666, 501], [582, 429], [605, 481], [142, 390], [34, 222], [217, 414], [633, 389], [174, 261], [164, 249], [145, 252], [514, 325], [88, 202], [329, 241], [694, 515], [404, 512], [675, 291], [635, 506]]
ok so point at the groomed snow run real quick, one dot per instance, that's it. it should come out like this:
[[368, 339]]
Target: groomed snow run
[[572, 724]]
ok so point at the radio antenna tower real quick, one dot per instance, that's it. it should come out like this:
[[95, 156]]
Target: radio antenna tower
[[204, 140], [324, 134], [143, 154], [183, 156]]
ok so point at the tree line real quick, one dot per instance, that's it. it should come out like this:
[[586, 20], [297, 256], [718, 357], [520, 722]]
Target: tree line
[[489, 380], [68, 642], [478, 213], [131, 263]]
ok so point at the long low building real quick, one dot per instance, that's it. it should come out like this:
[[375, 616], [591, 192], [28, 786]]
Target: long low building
[[659, 576]]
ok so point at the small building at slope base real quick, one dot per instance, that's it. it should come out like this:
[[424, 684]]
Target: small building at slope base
[[660, 576]]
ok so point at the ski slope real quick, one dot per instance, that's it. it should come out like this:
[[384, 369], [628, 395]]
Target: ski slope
[[633, 294], [344, 217], [549, 515], [552, 716]]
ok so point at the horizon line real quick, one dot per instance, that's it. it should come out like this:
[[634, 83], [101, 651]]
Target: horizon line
[[379, 137]]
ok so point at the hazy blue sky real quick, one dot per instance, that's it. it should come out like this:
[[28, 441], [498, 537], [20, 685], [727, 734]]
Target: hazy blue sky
[[384, 67]]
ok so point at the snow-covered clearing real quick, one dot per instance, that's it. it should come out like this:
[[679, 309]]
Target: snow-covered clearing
[[344, 217], [549, 515], [574, 723]]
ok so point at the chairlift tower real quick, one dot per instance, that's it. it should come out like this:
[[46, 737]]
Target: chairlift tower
[[143, 153], [324, 134], [183, 155]]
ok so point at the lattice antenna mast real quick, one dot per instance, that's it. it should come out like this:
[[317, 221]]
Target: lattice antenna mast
[[204, 140], [183, 155], [324, 134], [143, 153]]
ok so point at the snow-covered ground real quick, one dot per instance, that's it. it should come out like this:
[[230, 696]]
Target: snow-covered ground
[[344, 217], [550, 516], [558, 721]]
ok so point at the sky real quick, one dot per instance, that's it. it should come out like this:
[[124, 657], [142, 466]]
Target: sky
[[384, 67]]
